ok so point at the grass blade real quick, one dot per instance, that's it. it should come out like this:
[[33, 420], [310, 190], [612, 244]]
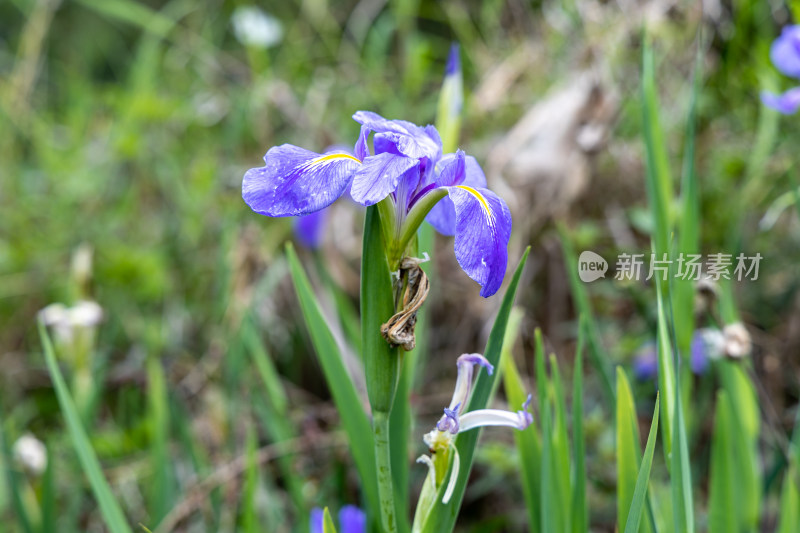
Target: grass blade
[[15, 479], [162, 497], [790, 494], [722, 509], [642, 480], [550, 515], [274, 413], [109, 508], [443, 517], [580, 510], [678, 456], [249, 512], [327, 522], [49, 509], [666, 376], [743, 440], [354, 421], [561, 475], [689, 222], [528, 442], [627, 448], [659, 181]]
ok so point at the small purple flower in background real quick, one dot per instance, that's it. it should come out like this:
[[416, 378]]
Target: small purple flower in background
[[351, 520], [645, 362], [706, 346], [785, 55], [409, 171], [698, 354], [309, 228], [440, 441]]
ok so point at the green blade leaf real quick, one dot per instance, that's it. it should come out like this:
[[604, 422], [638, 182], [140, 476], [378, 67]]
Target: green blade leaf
[[273, 410], [327, 522], [354, 420], [580, 510], [666, 375], [678, 456], [163, 495], [528, 442], [561, 474], [722, 511], [689, 222], [109, 508], [642, 480], [548, 490], [659, 181], [443, 517], [627, 448], [790, 494], [747, 483]]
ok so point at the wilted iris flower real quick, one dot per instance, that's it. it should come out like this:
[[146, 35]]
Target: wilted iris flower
[[785, 55], [351, 520], [455, 421], [410, 179], [440, 441]]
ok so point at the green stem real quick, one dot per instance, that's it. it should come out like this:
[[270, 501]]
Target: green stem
[[413, 221], [382, 362], [383, 462]]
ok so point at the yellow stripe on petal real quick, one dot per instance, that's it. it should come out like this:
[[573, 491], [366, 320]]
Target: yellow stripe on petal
[[480, 198], [331, 157]]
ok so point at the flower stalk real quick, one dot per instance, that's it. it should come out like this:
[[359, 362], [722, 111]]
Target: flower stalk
[[382, 362]]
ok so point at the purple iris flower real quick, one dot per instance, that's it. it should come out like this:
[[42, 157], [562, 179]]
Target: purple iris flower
[[785, 55], [351, 520], [413, 179]]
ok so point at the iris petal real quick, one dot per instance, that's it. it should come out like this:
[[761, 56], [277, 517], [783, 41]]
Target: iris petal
[[317, 516], [352, 520], [453, 170], [786, 103], [482, 229], [407, 138], [379, 176], [361, 149], [785, 51], [296, 181], [443, 215]]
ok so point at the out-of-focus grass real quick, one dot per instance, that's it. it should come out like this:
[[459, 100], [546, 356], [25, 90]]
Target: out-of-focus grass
[[128, 126]]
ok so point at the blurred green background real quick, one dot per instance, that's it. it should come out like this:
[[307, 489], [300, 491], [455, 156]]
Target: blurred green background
[[126, 128]]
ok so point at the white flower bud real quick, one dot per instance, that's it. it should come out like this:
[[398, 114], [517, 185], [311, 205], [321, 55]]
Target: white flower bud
[[737, 341], [253, 27], [31, 454]]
